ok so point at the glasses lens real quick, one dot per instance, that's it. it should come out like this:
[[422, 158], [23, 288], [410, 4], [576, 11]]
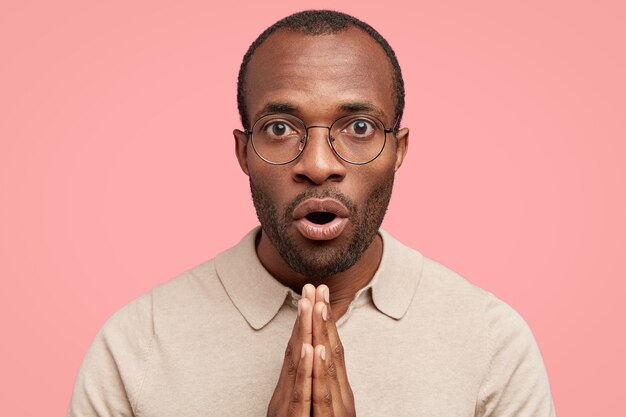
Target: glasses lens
[[278, 138], [358, 139]]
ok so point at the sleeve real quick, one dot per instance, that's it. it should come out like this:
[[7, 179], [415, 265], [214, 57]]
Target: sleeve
[[111, 376], [516, 384]]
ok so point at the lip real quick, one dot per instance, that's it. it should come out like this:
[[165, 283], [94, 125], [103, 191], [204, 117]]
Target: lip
[[325, 205], [327, 231]]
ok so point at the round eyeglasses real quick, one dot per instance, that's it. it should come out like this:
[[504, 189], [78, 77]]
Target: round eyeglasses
[[279, 139]]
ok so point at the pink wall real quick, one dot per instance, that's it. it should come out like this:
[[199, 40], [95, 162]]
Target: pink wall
[[117, 169]]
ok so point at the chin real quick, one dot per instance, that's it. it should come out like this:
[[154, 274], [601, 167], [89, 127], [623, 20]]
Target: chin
[[321, 259]]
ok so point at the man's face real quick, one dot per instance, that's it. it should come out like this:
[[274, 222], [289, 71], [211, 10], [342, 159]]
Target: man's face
[[319, 79]]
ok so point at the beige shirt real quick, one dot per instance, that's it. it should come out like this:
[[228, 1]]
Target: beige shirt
[[419, 341]]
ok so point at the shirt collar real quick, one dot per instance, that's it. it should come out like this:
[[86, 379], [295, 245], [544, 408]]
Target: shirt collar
[[395, 282], [259, 297]]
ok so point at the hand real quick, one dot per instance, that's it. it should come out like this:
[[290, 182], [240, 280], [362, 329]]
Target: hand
[[313, 379], [331, 392]]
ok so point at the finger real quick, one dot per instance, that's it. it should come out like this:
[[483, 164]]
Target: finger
[[321, 395], [319, 324], [335, 347], [320, 338], [322, 293], [301, 333], [300, 402], [308, 291], [305, 321]]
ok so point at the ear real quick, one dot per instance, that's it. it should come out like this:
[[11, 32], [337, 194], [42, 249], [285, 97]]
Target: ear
[[241, 149], [402, 146]]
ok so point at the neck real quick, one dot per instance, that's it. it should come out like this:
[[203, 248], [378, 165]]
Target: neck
[[343, 286]]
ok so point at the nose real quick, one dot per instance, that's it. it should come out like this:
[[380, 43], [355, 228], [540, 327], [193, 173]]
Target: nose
[[318, 163]]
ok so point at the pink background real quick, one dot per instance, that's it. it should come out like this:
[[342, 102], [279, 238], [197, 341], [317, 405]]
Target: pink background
[[117, 169]]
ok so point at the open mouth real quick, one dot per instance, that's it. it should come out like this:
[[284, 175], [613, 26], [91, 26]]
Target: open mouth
[[321, 217]]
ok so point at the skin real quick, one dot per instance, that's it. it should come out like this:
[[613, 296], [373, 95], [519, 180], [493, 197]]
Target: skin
[[318, 76]]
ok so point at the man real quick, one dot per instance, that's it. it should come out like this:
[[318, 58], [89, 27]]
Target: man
[[321, 98]]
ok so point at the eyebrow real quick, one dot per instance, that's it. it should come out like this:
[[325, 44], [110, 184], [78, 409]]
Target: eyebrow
[[353, 107], [360, 107], [275, 107]]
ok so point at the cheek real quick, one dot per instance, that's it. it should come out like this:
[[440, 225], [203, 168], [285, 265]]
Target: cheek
[[390, 152], [368, 186], [271, 180], [379, 171]]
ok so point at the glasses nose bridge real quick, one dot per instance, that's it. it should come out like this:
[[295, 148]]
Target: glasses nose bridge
[[307, 136], [318, 127]]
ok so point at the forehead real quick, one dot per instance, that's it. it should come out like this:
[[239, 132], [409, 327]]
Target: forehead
[[318, 75]]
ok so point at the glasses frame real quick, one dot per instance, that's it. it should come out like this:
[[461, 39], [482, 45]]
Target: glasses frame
[[329, 137]]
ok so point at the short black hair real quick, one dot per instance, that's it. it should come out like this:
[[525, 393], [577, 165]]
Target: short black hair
[[319, 22]]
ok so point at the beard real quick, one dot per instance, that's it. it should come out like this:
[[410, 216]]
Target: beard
[[324, 259]]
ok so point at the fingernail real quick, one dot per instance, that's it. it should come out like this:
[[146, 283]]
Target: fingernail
[[302, 352], [299, 307], [326, 296], [323, 353], [324, 313]]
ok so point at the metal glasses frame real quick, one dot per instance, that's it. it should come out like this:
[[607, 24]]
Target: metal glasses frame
[[329, 138]]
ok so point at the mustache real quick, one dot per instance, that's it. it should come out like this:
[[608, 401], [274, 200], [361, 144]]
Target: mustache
[[315, 193]]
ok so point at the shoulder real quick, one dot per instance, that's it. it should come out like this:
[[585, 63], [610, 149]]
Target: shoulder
[[190, 299], [490, 321], [500, 320], [492, 333], [133, 327], [188, 288], [116, 365], [456, 308], [437, 289], [184, 303]]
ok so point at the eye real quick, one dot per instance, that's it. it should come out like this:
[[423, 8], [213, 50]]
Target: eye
[[360, 127], [278, 128]]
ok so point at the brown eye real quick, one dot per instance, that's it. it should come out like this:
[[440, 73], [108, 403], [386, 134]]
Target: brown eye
[[278, 129], [361, 127]]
